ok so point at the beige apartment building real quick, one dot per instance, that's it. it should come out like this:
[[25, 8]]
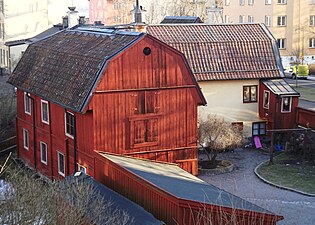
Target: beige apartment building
[[292, 22]]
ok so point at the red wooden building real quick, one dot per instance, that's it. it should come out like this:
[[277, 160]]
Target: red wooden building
[[126, 93]]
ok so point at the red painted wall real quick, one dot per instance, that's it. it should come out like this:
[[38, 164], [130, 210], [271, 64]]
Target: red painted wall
[[306, 118]]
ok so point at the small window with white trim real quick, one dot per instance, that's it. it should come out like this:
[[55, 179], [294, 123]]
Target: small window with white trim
[[61, 164], [25, 139], [81, 168], [266, 99], [27, 103], [45, 111], [69, 124], [43, 152], [286, 104]]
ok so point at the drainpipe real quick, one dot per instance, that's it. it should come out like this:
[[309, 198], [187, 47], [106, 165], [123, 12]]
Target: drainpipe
[[34, 129], [75, 143]]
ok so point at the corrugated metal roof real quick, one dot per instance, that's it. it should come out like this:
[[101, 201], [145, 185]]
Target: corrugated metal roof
[[64, 67], [181, 19], [181, 184], [280, 87], [220, 52], [140, 215]]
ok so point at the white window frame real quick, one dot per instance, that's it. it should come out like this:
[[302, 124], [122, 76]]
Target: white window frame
[[312, 20], [226, 2], [250, 2], [226, 19], [80, 167], [267, 2], [242, 2], [266, 106], [68, 134], [241, 19], [312, 43], [282, 103], [26, 139], [282, 1], [59, 154], [268, 21], [281, 43], [43, 102], [282, 22], [41, 152], [250, 19], [27, 104]]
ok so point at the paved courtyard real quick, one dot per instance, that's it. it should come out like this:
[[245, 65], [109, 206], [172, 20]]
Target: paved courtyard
[[297, 209]]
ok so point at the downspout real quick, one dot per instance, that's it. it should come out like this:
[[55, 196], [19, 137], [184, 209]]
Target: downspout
[[34, 130], [75, 143], [51, 146]]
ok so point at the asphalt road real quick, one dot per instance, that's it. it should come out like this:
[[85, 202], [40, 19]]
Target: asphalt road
[[297, 209]]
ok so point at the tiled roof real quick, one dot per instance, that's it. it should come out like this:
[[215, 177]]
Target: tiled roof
[[280, 87], [64, 68], [222, 52], [181, 19]]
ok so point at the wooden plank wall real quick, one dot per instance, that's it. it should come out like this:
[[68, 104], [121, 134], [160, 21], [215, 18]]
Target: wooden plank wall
[[306, 118]]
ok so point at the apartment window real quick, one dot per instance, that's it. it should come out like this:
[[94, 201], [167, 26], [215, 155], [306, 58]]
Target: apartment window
[[227, 2], [226, 19], [61, 164], [242, 19], [81, 168], [312, 43], [281, 43], [45, 111], [27, 103], [242, 2], [282, 20], [268, 21], [286, 104], [259, 129], [43, 152], [250, 93], [282, 1], [266, 99], [146, 102], [312, 20], [250, 19], [250, 2], [268, 2], [25, 139], [69, 124]]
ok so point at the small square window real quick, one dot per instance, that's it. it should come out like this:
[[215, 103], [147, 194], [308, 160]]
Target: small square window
[[286, 104], [250, 94], [45, 111], [43, 152], [259, 129], [69, 124], [61, 164], [266, 99], [25, 139], [27, 103]]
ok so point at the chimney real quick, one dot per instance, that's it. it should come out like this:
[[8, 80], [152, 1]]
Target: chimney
[[81, 20], [138, 18], [73, 17], [65, 21]]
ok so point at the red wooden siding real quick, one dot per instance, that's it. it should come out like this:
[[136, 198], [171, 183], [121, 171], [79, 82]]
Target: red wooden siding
[[283, 120], [169, 208], [306, 118]]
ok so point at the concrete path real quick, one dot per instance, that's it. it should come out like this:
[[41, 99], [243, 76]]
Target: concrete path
[[297, 209]]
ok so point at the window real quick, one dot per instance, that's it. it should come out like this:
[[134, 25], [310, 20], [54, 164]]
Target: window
[[144, 132], [250, 2], [45, 111], [69, 124], [312, 20], [146, 102], [268, 21], [61, 164], [282, 21], [242, 19], [226, 19], [282, 1], [227, 2], [259, 129], [268, 2], [312, 2], [242, 2], [281, 43], [25, 139], [250, 94], [312, 43], [27, 103], [43, 152], [286, 104], [81, 168], [266, 99], [250, 19]]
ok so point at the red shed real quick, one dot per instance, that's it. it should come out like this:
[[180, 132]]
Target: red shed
[[278, 103], [92, 89]]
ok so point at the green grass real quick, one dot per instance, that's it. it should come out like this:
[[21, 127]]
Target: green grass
[[307, 93], [289, 171]]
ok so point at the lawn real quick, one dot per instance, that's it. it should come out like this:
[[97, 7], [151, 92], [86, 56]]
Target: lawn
[[307, 93], [288, 171]]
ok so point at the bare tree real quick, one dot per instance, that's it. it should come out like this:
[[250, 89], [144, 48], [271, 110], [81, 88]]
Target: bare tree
[[7, 113], [30, 200], [215, 135]]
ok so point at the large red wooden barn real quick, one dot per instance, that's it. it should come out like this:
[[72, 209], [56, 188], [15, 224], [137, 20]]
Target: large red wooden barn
[[87, 96]]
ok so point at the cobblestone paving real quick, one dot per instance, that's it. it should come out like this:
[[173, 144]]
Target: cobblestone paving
[[297, 209]]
